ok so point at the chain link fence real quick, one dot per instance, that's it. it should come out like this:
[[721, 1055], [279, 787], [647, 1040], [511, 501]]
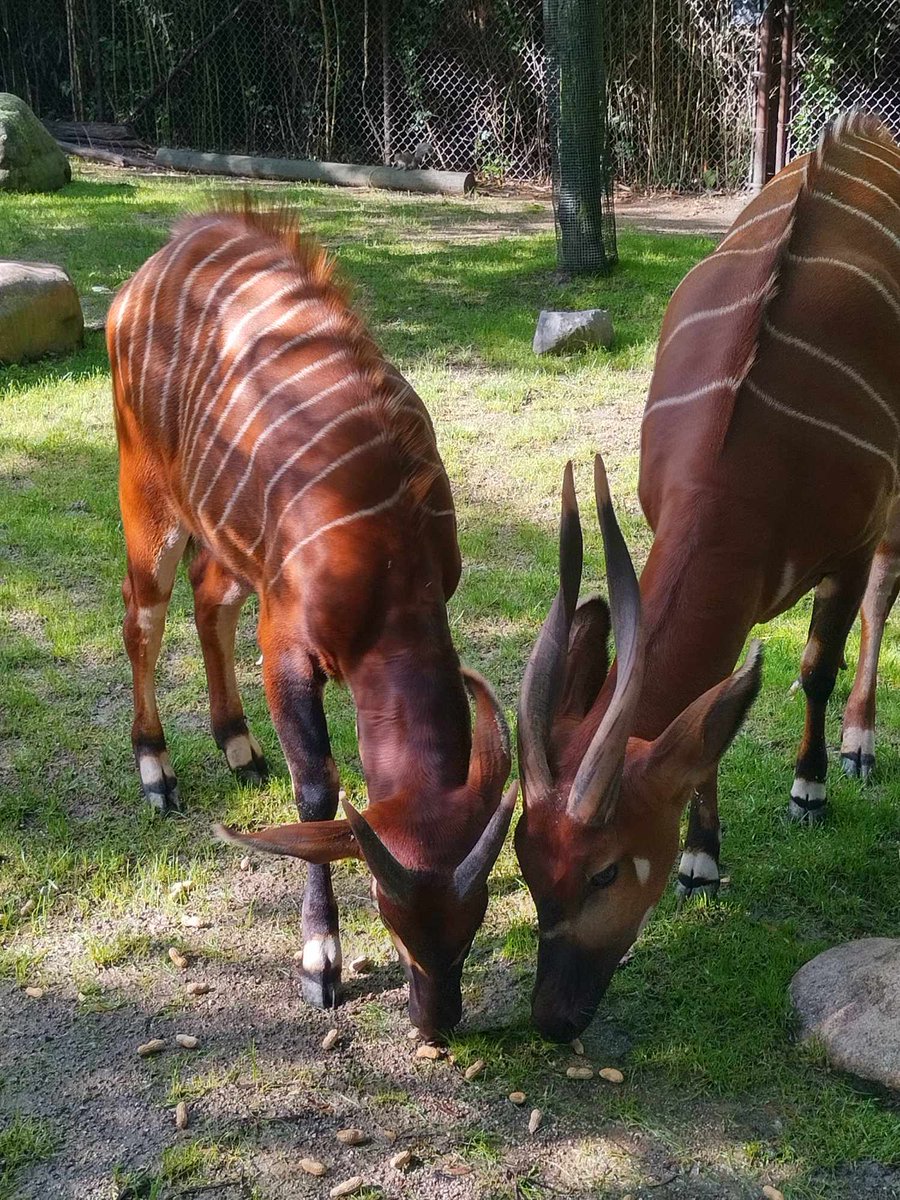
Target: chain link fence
[[458, 84]]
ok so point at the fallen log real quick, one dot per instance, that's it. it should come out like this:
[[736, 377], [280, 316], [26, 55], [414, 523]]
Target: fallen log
[[112, 157], [445, 183], [92, 133]]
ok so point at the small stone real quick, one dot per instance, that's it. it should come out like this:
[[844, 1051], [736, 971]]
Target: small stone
[[152, 1047], [347, 1188], [181, 1115], [187, 1041], [473, 1071], [413, 1035], [28, 908], [312, 1166], [389, 1135], [179, 959], [558, 332], [196, 988], [429, 1051], [578, 1047], [34, 992], [190, 922], [772, 1193], [534, 1121], [401, 1160], [611, 1075], [180, 888], [517, 1098], [245, 863], [580, 1072], [361, 965], [848, 999], [329, 1041], [352, 1137], [457, 1169]]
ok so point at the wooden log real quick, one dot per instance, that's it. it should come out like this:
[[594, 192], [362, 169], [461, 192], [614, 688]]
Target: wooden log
[[112, 157], [445, 183], [92, 132]]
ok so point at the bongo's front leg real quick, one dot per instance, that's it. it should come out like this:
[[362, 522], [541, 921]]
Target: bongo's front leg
[[294, 686]]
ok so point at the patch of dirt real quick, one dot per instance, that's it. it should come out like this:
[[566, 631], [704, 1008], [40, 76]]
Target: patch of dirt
[[261, 1089]]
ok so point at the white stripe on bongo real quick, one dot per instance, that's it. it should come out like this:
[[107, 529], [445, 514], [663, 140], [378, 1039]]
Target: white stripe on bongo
[[707, 314], [220, 384], [241, 385], [380, 439], [742, 251], [888, 148], [865, 183], [858, 212], [438, 512], [175, 348], [829, 426], [886, 293], [198, 374], [124, 303], [346, 520], [874, 158], [763, 216], [788, 339], [298, 453], [175, 253], [318, 365], [730, 382]]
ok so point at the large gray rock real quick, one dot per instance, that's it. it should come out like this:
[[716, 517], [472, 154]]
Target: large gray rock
[[558, 332], [40, 312], [30, 159], [849, 999]]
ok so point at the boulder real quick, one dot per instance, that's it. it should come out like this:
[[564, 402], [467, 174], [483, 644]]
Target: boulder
[[30, 159], [558, 332], [40, 312], [848, 998]]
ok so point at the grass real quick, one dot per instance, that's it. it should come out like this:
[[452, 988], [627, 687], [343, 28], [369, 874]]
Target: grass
[[23, 1140], [700, 1018]]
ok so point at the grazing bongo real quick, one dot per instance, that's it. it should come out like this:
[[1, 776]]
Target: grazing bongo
[[257, 419], [768, 468]]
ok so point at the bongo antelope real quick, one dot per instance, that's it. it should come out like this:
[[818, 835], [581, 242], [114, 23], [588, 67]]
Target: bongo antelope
[[768, 468], [257, 420]]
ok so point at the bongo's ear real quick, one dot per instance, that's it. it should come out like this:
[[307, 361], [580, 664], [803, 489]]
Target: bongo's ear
[[313, 841]]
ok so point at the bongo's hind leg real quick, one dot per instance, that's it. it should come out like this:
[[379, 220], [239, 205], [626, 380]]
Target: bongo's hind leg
[[858, 739], [218, 599], [155, 540]]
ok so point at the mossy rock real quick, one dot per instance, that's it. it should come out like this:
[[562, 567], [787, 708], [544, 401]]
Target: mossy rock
[[30, 159]]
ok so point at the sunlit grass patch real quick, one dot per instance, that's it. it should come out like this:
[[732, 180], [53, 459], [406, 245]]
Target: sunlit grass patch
[[23, 1140]]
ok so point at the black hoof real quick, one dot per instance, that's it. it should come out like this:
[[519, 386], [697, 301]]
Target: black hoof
[[165, 799], [806, 812], [321, 989], [858, 765], [253, 774]]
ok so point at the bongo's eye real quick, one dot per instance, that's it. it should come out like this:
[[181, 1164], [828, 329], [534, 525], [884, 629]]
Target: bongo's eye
[[605, 877]]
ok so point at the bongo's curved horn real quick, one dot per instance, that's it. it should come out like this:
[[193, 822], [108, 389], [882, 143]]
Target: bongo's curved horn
[[545, 674], [595, 791], [472, 873], [395, 880]]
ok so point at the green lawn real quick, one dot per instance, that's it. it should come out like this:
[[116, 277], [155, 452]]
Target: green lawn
[[699, 1021]]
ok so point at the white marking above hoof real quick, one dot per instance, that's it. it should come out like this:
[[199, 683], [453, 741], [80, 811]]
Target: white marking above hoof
[[858, 741], [697, 864], [808, 790], [321, 953], [239, 751]]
